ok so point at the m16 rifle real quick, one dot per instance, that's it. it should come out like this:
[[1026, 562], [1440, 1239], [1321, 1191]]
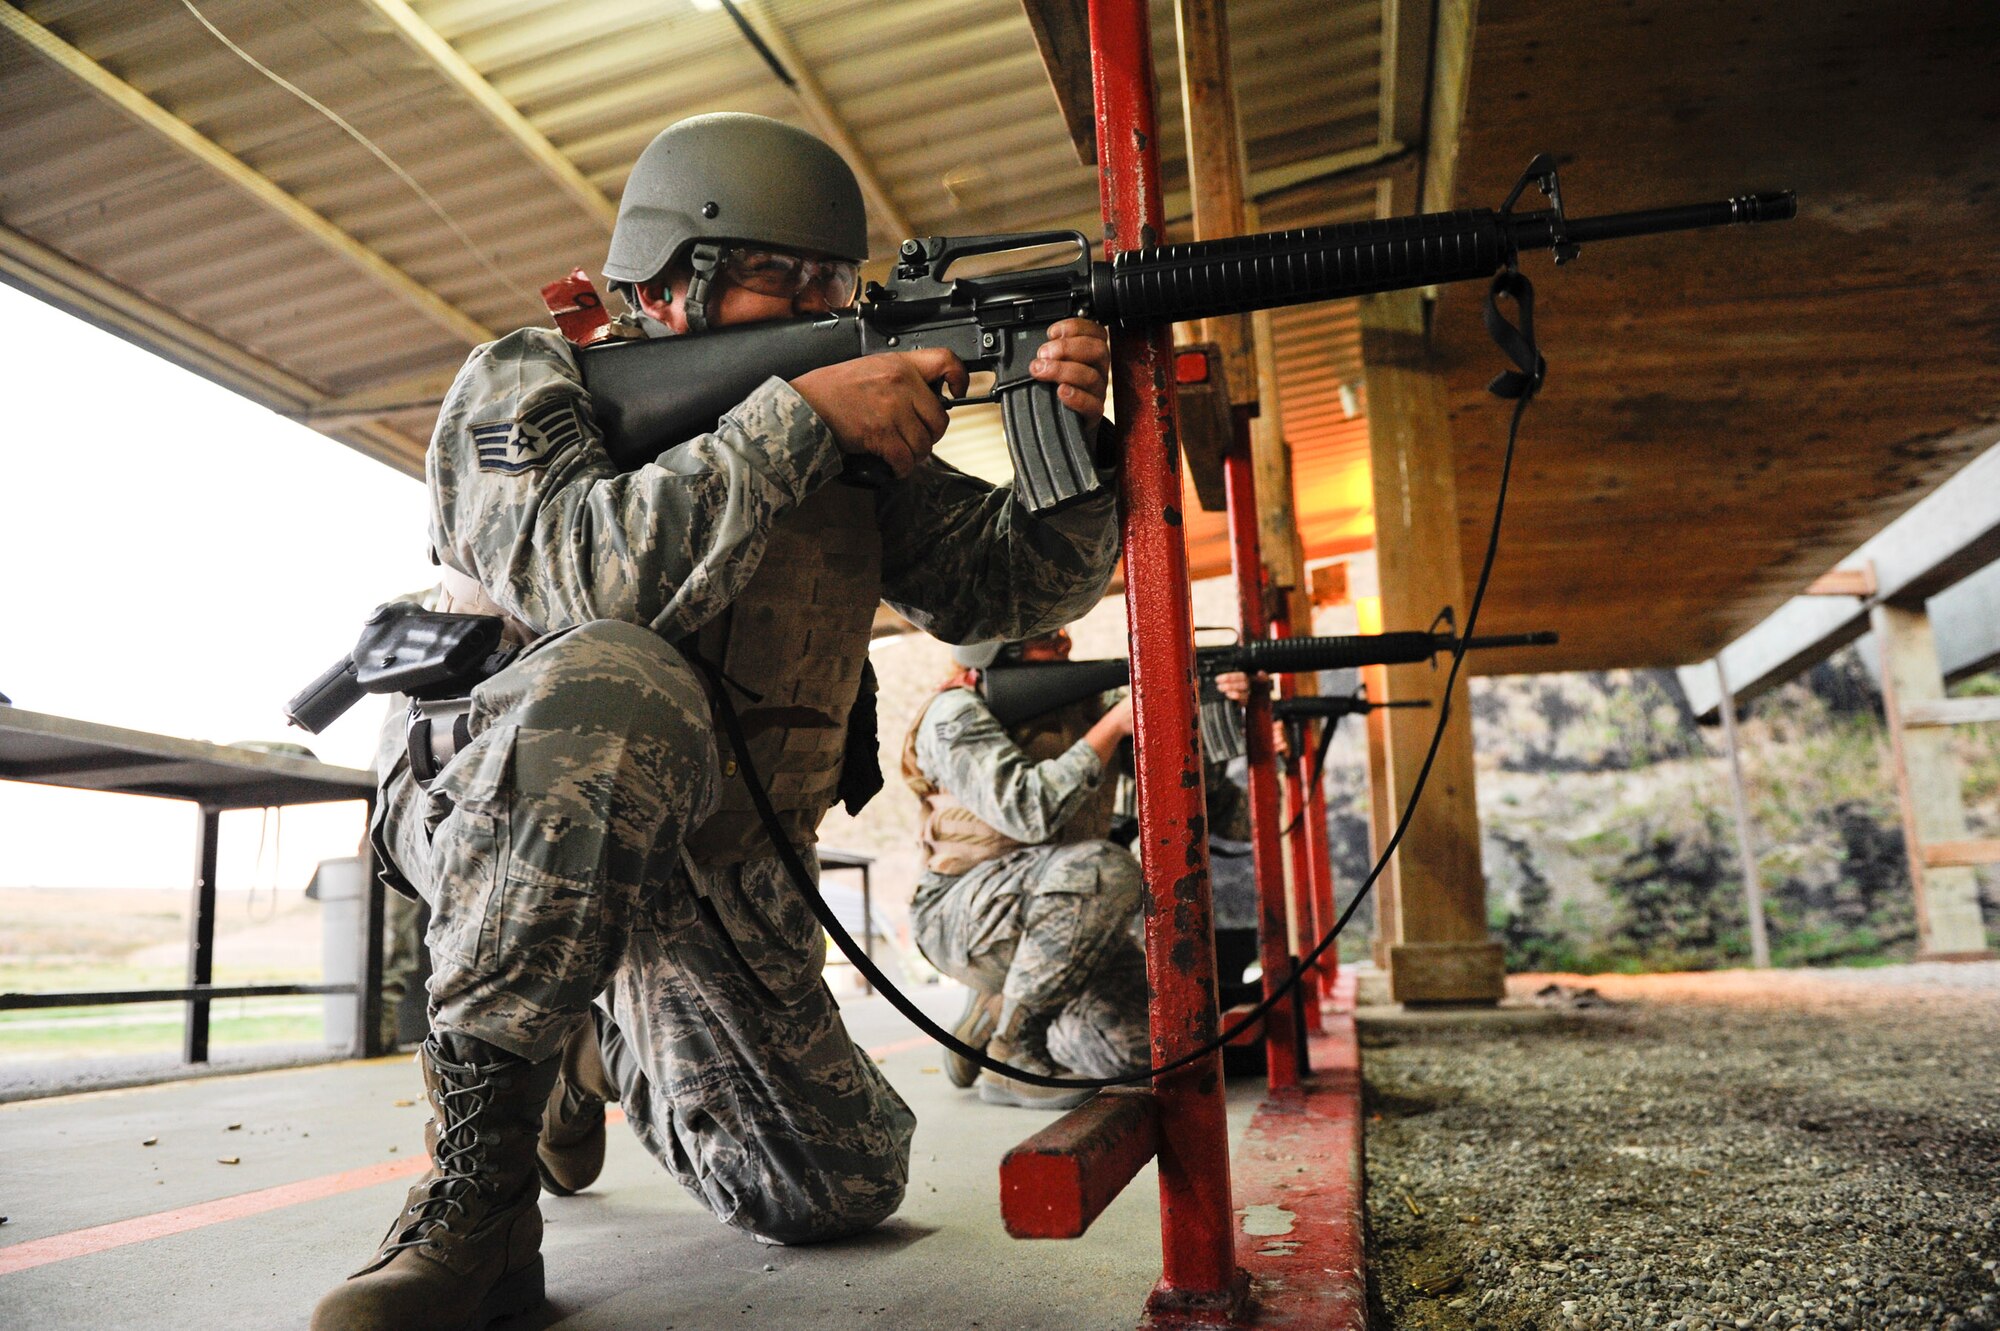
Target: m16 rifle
[[1017, 693], [648, 395]]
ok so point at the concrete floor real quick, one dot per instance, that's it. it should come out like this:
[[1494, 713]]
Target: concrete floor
[[633, 1252]]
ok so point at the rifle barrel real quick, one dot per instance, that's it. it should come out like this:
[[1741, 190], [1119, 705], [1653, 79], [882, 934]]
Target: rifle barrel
[[1235, 275]]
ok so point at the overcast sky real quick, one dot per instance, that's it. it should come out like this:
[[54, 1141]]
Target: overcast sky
[[178, 560]]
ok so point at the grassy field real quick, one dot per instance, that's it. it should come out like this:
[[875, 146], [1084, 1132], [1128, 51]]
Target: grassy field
[[68, 939]]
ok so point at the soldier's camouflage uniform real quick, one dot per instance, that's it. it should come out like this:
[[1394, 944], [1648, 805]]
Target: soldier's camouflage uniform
[[1051, 925], [552, 848]]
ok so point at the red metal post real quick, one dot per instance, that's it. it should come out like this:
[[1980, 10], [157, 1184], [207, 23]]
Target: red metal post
[[1199, 1276], [1312, 860], [1246, 559], [1306, 919], [1324, 910]]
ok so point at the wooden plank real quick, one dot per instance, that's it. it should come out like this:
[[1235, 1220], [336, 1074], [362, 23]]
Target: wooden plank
[[1062, 35], [1755, 435], [1440, 888], [1451, 78], [1215, 165], [1447, 972], [1277, 495], [1952, 712], [1928, 785], [1962, 854], [1844, 582]]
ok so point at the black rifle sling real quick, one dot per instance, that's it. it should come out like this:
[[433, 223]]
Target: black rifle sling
[[802, 877], [1518, 344]]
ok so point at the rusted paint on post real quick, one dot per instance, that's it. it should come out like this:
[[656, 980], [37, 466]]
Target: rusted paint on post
[[1281, 1057], [1059, 1180], [1308, 924], [1302, 1236], [1198, 1259]]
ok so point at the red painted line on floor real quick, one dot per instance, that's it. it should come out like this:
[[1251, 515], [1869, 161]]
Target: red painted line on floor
[[161, 1224], [900, 1046], [101, 1238]]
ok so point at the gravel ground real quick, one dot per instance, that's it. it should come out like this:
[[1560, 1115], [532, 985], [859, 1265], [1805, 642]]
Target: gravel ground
[[1730, 1150]]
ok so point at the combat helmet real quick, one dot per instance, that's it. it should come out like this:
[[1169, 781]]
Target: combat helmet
[[732, 176]]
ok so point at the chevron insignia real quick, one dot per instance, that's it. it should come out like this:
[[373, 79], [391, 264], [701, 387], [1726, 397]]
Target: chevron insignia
[[520, 445]]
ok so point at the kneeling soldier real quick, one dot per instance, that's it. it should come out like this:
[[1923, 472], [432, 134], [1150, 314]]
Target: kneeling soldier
[[1022, 898]]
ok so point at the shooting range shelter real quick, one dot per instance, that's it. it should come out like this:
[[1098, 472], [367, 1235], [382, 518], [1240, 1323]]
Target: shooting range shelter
[[1728, 416]]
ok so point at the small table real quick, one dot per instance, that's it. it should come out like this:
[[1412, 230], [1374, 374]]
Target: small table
[[847, 859], [83, 755]]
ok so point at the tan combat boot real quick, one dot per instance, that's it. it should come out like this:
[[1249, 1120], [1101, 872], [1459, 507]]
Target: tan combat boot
[[975, 1027], [570, 1153], [1022, 1041], [466, 1249]]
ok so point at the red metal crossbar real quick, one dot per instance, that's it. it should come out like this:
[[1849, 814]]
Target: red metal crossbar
[[1059, 1180]]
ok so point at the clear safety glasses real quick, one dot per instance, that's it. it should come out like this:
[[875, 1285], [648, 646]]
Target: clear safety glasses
[[777, 273]]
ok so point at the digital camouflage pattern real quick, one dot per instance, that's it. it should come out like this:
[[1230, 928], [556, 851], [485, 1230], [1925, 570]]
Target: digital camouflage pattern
[[550, 848], [1052, 927], [570, 539]]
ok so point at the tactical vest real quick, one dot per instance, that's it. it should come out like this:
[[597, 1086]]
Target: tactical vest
[[955, 839], [792, 648]]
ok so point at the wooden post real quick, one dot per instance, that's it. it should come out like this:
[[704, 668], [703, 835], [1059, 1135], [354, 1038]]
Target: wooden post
[[1216, 183], [1753, 891], [1927, 785], [1439, 952]]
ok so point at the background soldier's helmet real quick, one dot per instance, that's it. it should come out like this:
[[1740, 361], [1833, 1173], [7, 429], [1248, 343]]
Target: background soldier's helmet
[[731, 176]]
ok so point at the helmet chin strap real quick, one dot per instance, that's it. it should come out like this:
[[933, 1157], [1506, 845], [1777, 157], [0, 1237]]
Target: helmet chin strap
[[703, 260]]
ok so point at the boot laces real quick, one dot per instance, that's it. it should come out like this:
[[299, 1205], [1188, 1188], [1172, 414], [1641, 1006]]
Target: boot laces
[[456, 1155]]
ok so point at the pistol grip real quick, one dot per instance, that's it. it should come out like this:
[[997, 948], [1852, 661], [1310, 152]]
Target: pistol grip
[[1054, 465], [866, 471]]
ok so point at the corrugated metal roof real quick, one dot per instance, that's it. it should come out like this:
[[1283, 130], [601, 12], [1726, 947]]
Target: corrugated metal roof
[[947, 101]]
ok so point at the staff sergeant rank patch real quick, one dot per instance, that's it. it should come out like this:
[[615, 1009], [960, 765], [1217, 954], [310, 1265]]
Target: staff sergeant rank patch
[[521, 445]]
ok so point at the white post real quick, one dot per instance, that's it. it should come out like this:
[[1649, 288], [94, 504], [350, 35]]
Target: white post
[[1753, 892]]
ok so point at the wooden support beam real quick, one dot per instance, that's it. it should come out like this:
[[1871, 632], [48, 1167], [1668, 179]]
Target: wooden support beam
[[1216, 170], [1962, 854], [826, 120], [1951, 712], [1062, 35], [1406, 69], [1845, 582], [1439, 951], [1451, 78], [1928, 786], [233, 169], [501, 113], [1277, 502]]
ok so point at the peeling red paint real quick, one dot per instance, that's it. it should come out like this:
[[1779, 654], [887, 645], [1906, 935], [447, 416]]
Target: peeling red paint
[[1197, 1251]]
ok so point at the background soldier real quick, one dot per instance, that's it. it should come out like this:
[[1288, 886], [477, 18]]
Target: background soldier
[[1022, 899], [588, 841]]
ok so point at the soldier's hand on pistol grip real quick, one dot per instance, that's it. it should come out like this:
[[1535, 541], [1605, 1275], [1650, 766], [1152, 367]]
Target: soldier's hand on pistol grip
[[1077, 359], [885, 405]]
